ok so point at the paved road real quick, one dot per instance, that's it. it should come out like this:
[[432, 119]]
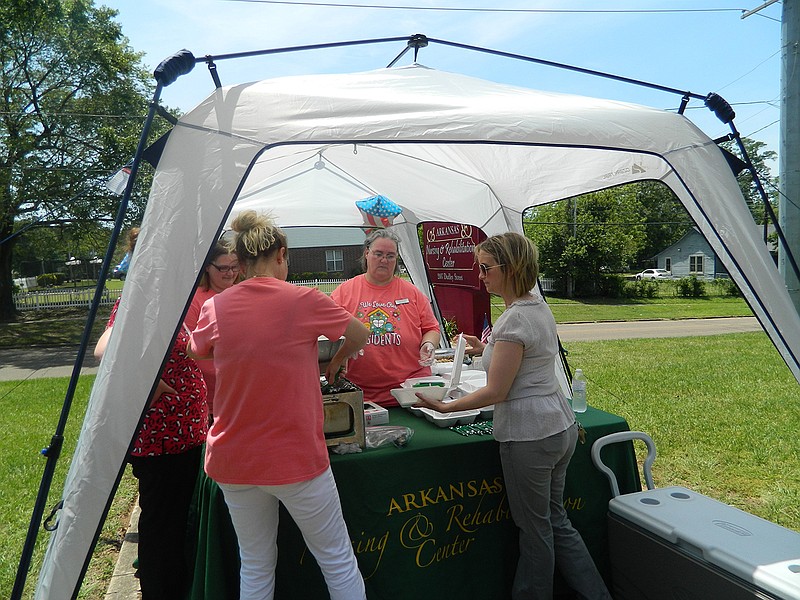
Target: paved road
[[28, 363], [582, 332]]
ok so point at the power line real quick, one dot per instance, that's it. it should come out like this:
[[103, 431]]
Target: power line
[[492, 10], [94, 116], [751, 70]]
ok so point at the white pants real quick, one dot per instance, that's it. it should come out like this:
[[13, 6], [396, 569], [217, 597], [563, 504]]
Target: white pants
[[314, 505]]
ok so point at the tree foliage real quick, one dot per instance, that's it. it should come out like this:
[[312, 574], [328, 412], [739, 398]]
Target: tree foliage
[[761, 157], [581, 238], [74, 96], [620, 229]]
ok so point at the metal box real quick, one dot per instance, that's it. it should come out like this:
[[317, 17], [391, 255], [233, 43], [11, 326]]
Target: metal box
[[343, 408]]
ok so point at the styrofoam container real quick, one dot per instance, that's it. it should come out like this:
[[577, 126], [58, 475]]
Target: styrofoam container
[[472, 381], [416, 411], [442, 368], [434, 379], [407, 396], [461, 417]]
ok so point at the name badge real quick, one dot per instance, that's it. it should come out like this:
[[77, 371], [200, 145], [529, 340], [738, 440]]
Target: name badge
[[401, 301]]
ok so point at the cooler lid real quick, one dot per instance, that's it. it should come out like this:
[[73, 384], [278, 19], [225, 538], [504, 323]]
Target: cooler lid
[[743, 544]]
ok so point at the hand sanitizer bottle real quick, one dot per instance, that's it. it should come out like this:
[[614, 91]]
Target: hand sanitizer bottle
[[579, 391]]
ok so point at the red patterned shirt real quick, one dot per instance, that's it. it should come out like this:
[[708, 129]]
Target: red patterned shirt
[[174, 423]]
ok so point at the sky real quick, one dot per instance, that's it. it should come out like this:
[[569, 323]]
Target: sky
[[699, 46]]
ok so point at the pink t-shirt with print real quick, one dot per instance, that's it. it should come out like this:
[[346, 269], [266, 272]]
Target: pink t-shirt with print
[[268, 415], [397, 315]]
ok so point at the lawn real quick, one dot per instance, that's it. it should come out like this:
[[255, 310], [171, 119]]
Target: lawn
[[721, 409], [29, 411]]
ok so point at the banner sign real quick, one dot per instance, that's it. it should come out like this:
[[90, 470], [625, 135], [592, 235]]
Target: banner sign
[[449, 250]]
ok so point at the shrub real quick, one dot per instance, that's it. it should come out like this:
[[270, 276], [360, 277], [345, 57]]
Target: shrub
[[451, 328], [727, 287], [49, 279], [643, 288], [691, 287], [612, 286]]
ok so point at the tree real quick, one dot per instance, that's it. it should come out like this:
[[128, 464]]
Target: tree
[[760, 157], [612, 230], [581, 238], [665, 218], [74, 97]]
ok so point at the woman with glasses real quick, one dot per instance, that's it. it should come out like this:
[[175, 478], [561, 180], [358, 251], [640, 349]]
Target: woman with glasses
[[533, 422], [220, 272], [404, 333]]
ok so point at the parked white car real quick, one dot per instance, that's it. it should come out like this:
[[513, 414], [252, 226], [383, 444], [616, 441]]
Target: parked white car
[[654, 274]]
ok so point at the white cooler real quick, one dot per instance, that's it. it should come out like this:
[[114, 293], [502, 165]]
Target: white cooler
[[675, 544]]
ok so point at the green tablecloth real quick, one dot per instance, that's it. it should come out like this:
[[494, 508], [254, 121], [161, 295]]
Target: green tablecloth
[[430, 520]]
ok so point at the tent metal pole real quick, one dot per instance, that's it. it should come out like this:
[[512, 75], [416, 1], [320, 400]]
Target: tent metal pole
[[549, 63], [53, 451], [219, 57], [765, 199]]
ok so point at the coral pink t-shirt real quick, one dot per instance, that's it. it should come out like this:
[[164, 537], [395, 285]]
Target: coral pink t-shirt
[[268, 414], [397, 316], [206, 366]]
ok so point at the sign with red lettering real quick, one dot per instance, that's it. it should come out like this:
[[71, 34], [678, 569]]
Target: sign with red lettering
[[449, 250]]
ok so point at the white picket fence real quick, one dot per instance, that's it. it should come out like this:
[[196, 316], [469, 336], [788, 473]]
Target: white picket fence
[[83, 297], [323, 285], [61, 298], [548, 284]]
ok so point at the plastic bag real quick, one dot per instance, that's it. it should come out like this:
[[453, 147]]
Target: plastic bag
[[383, 435], [342, 448]]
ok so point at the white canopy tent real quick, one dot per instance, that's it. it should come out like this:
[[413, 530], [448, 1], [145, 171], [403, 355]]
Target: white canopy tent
[[440, 145]]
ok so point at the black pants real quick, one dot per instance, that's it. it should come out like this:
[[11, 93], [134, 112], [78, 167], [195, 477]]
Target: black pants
[[166, 486]]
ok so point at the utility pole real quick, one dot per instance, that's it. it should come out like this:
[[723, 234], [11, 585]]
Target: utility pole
[[789, 160], [789, 144]]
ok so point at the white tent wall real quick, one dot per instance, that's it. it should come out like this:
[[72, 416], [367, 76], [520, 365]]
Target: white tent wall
[[443, 147]]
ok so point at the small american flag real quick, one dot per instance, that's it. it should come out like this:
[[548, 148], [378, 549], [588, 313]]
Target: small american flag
[[487, 329]]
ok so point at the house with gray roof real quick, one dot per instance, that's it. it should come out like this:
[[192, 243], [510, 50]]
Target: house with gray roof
[[692, 255], [335, 251]]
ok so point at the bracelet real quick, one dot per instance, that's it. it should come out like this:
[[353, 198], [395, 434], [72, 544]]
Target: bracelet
[[427, 342]]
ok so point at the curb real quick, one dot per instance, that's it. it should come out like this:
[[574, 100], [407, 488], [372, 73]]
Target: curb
[[124, 584]]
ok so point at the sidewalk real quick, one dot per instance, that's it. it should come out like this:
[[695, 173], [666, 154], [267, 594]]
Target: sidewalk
[[36, 362], [124, 584]]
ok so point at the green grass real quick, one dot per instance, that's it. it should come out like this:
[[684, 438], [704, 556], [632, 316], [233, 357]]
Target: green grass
[[51, 327], [647, 309], [723, 411], [640, 309], [29, 412]]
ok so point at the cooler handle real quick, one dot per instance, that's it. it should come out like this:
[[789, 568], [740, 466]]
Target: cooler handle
[[624, 436]]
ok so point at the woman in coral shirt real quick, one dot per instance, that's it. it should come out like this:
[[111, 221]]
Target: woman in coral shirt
[[266, 445]]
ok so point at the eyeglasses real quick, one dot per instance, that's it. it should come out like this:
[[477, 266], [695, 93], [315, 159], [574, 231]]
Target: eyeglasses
[[485, 268], [226, 268], [380, 255]]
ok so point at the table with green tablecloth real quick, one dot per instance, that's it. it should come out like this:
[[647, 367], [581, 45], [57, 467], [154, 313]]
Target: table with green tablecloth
[[428, 520]]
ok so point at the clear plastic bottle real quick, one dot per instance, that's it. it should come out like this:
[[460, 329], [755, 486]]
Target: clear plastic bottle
[[579, 391]]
